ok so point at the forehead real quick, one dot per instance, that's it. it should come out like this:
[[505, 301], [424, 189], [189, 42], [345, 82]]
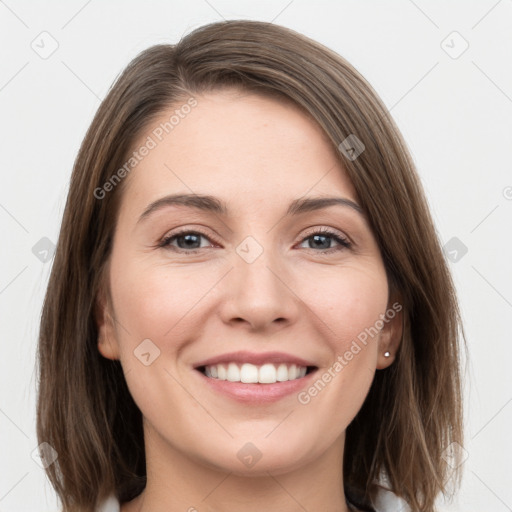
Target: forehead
[[248, 149]]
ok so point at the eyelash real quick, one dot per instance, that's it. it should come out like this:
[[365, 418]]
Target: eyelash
[[343, 242]]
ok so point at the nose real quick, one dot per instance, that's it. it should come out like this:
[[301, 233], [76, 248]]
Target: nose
[[259, 295]]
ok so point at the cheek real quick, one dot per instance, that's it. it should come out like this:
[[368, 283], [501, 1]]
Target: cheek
[[348, 302], [150, 303], [154, 299], [350, 310]]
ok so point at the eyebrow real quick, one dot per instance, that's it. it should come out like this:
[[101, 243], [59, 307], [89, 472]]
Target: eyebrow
[[215, 205]]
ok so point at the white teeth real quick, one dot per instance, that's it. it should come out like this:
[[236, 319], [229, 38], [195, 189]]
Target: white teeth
[[233, 374], [282, 373], [267, 374], [251, 374], [222, 373]]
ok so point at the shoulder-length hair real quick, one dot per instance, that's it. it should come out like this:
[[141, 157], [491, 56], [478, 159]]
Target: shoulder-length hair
[[413, 411]]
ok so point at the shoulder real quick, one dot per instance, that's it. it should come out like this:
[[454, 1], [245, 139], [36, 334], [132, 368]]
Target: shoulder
[[387, 501], [384, 501], [111, 504]]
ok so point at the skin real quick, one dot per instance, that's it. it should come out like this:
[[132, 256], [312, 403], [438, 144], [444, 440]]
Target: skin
[[256, 154]]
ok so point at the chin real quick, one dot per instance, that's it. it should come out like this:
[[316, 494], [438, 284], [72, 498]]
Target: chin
[[259, 456]]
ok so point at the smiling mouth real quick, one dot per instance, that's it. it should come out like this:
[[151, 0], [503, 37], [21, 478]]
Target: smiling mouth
[[256, 374]]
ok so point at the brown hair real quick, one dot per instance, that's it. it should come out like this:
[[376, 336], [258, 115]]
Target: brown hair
[[413, 410]]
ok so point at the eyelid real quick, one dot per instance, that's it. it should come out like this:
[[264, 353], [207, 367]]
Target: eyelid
[[163, 242], [343, 241], [327, 231]]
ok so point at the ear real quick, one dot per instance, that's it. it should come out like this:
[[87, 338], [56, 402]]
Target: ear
[[391, 333], [107, 339]]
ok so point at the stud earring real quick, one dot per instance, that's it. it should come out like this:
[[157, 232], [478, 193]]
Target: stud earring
[[386, 354]]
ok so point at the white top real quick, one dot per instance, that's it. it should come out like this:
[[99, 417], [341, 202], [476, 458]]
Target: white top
[[111, 504], [386, 502]]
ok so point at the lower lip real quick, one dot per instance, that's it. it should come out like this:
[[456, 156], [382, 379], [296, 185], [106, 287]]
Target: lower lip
[[257, 393]]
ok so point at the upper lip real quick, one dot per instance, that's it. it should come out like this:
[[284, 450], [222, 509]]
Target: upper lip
[[254, 358]]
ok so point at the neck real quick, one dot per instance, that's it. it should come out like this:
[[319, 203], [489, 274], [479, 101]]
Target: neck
[[177, 483]]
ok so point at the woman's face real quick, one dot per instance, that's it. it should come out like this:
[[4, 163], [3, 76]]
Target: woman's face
[[243, 284]]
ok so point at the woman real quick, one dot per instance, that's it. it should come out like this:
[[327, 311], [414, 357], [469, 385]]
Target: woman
[[249, 308]]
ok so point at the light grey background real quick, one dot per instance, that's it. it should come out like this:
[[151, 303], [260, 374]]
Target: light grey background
[[454, 109]]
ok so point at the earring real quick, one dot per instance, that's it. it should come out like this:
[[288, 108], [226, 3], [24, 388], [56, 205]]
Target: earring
[[386, 354]]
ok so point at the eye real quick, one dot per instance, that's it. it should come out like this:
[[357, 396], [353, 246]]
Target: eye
[[187, 241], [321, 239]]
